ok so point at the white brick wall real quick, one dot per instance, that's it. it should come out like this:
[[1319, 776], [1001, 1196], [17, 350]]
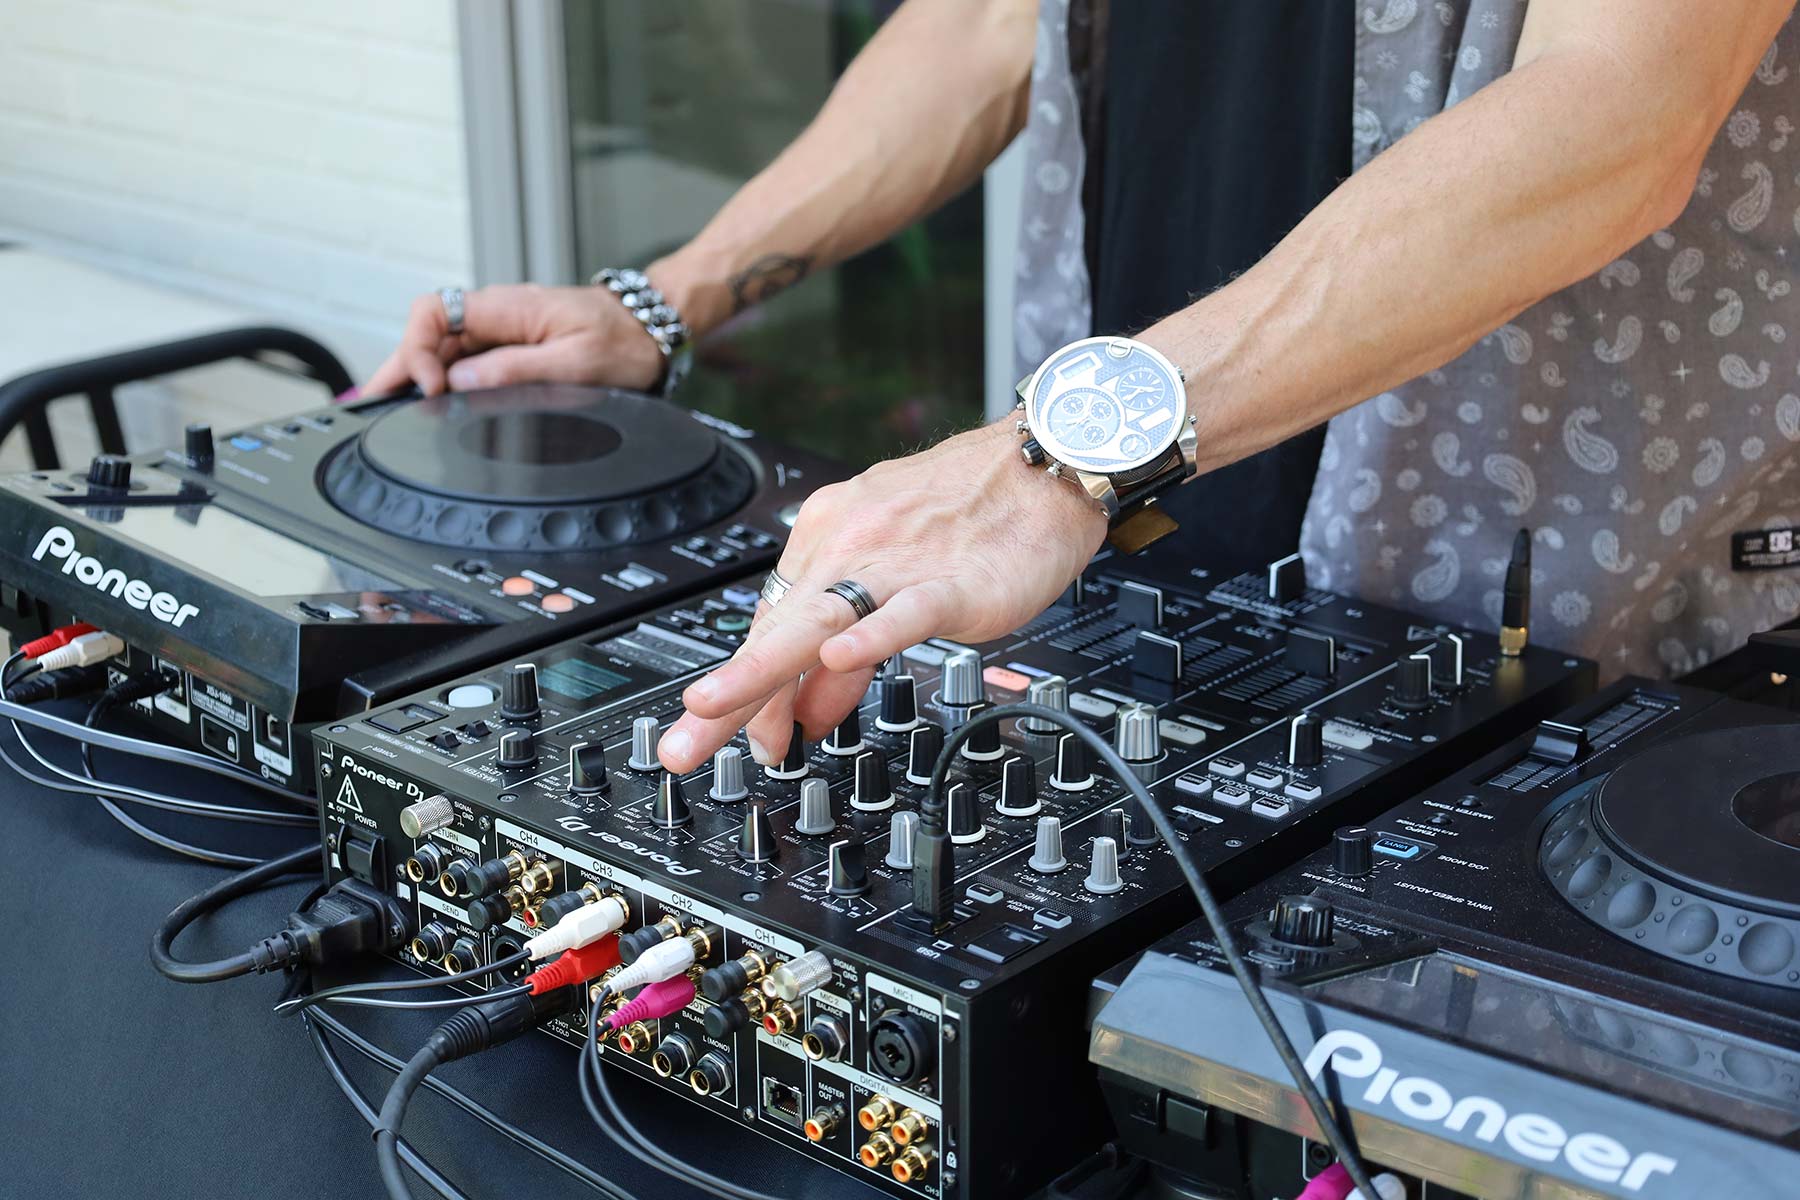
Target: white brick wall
[[300, 159]]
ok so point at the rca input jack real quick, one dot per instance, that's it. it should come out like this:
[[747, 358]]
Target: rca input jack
[[877, 1152], [823, 1123], [538, 878], [635, 1038], [825, 1038], [910, 1128], [432, 942], [673, 1057], [878, 1113], [914, 1163], [427, 862], [711, 1076], [781, 1019]]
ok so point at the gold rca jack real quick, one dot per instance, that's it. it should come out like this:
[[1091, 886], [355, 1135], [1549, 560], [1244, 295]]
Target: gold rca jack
[[910, 1128], [538, 878], [877, 1152], [823, 1124], [780, 1019], [756, 1002], [635, 1038], [914, 1163], [878, 1113]]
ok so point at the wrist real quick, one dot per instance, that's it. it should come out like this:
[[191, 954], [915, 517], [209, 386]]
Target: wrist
[[1061, 498], [695, 283]]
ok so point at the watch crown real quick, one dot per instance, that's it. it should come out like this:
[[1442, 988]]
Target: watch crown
[[1032, 452], [1055, 470], [1021, 426]]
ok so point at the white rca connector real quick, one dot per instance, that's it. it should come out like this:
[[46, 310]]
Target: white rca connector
[[583, 927], [84, 651]]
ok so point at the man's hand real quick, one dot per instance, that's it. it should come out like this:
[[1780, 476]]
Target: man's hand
[[518, 334], [962, 541]]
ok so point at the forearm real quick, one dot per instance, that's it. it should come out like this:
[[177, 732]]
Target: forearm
[[1529, 185], [932, 99]]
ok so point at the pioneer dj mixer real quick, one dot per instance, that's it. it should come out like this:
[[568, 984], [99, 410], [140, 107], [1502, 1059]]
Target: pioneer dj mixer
[[935, 1060]]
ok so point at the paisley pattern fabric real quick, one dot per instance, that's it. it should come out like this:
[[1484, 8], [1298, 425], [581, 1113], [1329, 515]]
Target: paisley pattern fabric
[[1633, 421]]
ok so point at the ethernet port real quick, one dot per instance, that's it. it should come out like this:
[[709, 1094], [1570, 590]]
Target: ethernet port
[[781, 1102]]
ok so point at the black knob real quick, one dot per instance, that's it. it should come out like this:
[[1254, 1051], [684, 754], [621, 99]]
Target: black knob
[[1116, 824], [587, 768], [793, 763], [1352, 851], [519, 692], [109, 473], [1306, 741], [847, 738], [518, 750], [670, 808], [983, 742], [1412, 681], [197, 447], [1018, 788], [964, 807], [1303, 921], [848, 871], [756, 837], [1073, 774], [922, 752], [870, 791], [899, 704]]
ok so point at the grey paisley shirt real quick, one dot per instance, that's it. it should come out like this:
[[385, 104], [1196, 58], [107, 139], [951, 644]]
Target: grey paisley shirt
[[1634, 421]]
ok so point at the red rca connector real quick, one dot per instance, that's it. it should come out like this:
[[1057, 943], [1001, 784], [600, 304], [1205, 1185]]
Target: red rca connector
[[660, 999], [575, 966], [56, 638]]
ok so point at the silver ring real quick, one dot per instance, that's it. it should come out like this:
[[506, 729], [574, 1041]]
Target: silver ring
[[452, 300], [774, 588], [855, 595]]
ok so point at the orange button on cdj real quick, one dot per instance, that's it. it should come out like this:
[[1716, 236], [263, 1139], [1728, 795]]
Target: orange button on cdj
[[1001, 677], [517, 585], [556, 602]]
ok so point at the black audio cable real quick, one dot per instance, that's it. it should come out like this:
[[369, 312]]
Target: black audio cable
[[480, 1025], [294, 1004], [1196, 881]]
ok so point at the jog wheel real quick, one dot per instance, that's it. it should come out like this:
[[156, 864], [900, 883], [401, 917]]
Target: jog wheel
[[544, 467]]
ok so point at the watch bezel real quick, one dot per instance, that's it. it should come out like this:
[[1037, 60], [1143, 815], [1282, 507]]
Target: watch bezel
[[1070, 457]]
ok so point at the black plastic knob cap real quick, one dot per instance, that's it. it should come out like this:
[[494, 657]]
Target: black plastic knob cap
[[793, 763], [1018, 788], [983, 742], [848, 870], [899, 703], [922, 752], [519, 692], [1073, 772], [1352, 851], [197, 446], [1306, 741], [109, 473], [1412, 681], [1303, 921], [870, 790], [518, 750], [587, 768], [847, 738], [756, 837], [670, 808]]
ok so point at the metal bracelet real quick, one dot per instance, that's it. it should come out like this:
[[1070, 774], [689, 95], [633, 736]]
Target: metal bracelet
[[658, 317]]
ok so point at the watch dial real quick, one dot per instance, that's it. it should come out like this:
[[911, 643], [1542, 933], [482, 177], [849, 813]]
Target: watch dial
[[1106, 405]]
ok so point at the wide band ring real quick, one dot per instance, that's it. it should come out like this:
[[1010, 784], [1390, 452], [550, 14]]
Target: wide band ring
[[774, 587], [452, 300], [855, 595]]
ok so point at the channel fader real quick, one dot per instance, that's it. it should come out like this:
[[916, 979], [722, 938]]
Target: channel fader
[[791, 985]]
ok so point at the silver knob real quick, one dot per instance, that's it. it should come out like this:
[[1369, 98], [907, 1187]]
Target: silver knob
[[900, 840], [1047, 858], [643, 745], [427, 816], [815, 819], [961, 684], [1137, 738], [1103, 872], [1052, 691], [728, 775]]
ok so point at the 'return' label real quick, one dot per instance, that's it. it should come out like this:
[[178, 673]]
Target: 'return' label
[[1765, 549]]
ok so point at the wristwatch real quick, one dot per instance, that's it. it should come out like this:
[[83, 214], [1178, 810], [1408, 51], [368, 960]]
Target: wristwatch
[[1111, 414]]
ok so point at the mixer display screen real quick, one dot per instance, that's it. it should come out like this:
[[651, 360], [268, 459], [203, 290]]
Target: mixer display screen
[[577, 680]]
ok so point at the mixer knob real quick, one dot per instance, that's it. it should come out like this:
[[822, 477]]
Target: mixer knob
[[793, 763], [965, 814], [587, 768], [1137, 737], [1154, 656], [756, 839], [1073, 774], [1018, 788], [961, 685], [1287, 579], [643, 745], [427, 816], [197, 446], [815, 819], [1103, 868], [1306, 741], [1352, 851], [1447, 663], [519, 693], [1047, 856], [983, 742], [1115, 824], [1051, 691], [1135, 828], [109, 473], [901, 830], [870, 791], [847, 871], [899, 704], [1412, 682], [670, 808], [922, 750], [847, 738], [1303, 921], [728, 775], [518, 750]]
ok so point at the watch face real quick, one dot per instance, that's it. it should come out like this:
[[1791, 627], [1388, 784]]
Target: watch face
[[1105, 405]]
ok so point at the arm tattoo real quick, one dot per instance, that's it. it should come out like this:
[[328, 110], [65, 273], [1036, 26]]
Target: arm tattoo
[[767, 275]]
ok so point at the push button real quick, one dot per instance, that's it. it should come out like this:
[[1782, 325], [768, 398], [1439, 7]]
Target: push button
[[1004, 944], [556, 602], [517, 585], [1049, 918]]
